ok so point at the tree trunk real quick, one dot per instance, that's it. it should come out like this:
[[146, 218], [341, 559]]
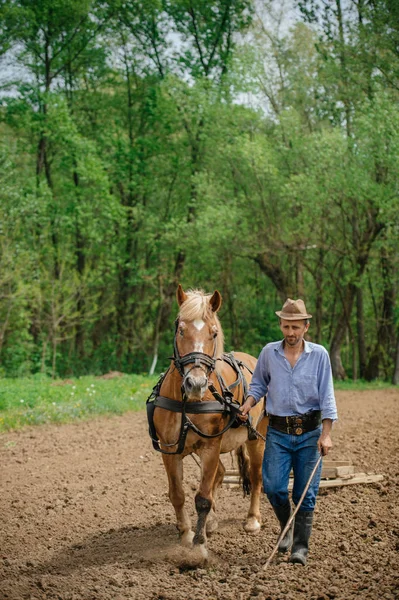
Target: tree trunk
[[319, 296], [335, 351], [157, 326], [4, 324], [344, 68], [129, 200], [43, 163], [277, 275], [80, 266], [340, 331], [300, 285], [395, 378], [80, 256], [382, 355], [361, 339], [354, 357], [386, 336]]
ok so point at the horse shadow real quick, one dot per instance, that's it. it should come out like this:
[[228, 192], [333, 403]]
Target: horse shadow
[[132, 546]]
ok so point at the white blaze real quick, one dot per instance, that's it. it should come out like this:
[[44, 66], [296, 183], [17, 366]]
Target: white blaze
[[198, 324], [198, 347]]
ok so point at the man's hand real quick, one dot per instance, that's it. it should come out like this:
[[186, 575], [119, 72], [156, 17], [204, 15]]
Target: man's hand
[[324, 443], [246, 407]]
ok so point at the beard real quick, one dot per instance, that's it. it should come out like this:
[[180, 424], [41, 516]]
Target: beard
[[292, 340]]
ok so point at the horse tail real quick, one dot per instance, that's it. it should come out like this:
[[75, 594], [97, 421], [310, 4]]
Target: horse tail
[[244, 469]]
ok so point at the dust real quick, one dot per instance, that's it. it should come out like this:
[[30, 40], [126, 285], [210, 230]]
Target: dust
[[191, 558]]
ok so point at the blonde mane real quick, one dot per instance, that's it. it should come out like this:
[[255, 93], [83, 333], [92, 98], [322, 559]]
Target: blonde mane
[[197, 307]]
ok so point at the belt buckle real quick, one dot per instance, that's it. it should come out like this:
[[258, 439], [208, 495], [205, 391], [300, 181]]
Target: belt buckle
[[298, 428]]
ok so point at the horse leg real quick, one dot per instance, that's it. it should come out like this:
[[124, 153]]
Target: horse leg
[[255, 450], [204, 497], [174, 469], [212, 522]]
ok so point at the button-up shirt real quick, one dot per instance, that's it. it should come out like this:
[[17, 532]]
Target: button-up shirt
[[294, 390]]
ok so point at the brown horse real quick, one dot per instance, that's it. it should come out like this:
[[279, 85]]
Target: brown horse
[[194, 410]]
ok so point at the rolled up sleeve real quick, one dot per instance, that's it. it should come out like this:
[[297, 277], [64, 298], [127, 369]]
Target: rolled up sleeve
[[328, 405], [260, 379]]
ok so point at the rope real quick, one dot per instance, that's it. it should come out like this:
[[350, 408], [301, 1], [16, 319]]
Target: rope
[[256, 432]]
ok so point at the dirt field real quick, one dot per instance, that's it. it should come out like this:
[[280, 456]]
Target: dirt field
[[84, 515]]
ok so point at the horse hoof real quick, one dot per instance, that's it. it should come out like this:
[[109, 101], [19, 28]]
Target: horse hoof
[[187, 539], [252, 526], [201, 552]]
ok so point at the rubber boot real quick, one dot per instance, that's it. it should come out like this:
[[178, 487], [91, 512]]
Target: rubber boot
[[302, 531], [283, 513]]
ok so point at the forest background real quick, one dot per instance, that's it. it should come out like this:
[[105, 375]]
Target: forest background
[[251, 147]]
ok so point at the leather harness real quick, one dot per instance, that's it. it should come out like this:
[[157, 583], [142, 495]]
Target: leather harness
[[224, 402]]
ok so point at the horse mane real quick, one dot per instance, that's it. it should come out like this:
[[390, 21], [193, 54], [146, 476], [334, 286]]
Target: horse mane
[[197, 307]]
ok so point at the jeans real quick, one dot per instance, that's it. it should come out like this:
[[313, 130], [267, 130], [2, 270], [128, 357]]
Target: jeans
[[283, 452]]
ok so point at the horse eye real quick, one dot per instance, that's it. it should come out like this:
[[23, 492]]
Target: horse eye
[[181, 331]]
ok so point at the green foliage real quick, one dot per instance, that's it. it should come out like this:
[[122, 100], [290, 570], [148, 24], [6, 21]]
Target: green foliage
[[207, 28], [362, 386], [146, 143]]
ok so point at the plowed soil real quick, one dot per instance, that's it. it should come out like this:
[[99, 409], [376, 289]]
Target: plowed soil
[[84, 514]]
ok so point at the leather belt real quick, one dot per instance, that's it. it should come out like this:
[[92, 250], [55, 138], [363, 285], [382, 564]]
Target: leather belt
[[296, 424]]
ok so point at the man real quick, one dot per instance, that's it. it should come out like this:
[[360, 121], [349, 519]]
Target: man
[[296, 376]]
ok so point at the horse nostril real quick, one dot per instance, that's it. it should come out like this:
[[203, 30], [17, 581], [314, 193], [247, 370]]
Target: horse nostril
[[203, 381], [195, 384]]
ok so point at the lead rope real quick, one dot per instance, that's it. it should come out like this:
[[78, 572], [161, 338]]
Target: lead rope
[[255, 431]]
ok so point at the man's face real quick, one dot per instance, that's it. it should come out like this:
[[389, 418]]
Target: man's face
[[293, 331]]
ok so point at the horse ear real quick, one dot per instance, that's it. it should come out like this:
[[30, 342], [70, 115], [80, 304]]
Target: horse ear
[[180, 295], [216, 301]]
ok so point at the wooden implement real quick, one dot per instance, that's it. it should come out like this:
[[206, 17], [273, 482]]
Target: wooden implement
[[335, 473]]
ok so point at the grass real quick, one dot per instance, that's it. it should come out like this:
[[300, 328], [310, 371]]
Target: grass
[[362, 385], [38, 400]]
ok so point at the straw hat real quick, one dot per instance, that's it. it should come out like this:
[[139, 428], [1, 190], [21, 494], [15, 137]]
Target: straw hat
[[293, 310]]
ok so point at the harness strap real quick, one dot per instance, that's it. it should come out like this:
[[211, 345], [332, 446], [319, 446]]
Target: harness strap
[[213, 435], [181, 442], [186, 423], [237, 365], [192, 408]]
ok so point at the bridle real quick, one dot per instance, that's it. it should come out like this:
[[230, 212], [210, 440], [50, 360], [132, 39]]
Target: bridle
[[198, 360]]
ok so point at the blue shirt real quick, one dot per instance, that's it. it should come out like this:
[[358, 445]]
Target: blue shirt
[[294, 391]]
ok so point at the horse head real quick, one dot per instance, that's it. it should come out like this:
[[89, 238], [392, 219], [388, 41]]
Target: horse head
[[198, 339]]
